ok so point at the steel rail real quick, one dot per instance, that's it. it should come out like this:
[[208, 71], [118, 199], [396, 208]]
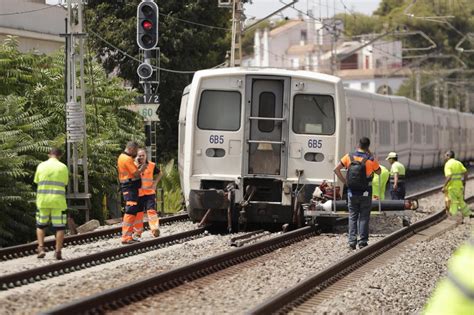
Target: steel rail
[[10, 281], [288, 299], [136, 291], [18, 251]]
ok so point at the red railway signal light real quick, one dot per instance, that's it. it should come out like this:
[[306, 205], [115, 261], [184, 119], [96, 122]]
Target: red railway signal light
[[147, 25]]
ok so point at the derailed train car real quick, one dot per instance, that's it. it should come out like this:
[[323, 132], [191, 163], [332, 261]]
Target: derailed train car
[[251, 139]]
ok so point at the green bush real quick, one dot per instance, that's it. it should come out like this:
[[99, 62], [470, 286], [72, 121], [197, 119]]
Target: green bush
[[173, 196]]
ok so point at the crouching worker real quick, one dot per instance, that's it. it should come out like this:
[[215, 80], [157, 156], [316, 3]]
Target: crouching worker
[[51, 177], [150, 176]]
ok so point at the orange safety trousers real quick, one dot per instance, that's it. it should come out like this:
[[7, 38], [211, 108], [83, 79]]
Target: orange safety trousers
[[153, 221], [147, 203], [130, 195], [127, 227]]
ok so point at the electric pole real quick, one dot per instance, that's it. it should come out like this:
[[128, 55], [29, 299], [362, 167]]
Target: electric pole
[[237, 22], [78, 195]]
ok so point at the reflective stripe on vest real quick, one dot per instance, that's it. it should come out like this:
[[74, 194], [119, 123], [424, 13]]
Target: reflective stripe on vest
[[51, 183], [147, 183], [51, 192], [457, 176]]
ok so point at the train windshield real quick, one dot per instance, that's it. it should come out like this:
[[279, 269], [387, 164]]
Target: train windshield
[[313, 114], [219, 110]]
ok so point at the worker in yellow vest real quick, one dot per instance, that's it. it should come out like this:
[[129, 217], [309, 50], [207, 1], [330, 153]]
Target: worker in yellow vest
[[378, 193], [456, 177], [150, 176], [51, 176], [397, 177], [455, 293]]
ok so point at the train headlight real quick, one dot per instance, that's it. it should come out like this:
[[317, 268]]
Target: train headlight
[[211, 152], [314, 157], [215, 152]]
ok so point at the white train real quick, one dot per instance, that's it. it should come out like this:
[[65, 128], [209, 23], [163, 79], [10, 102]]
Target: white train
[[249, 137]]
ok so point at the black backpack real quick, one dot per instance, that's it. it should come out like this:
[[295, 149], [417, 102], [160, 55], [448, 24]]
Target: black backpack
[[356, 176]]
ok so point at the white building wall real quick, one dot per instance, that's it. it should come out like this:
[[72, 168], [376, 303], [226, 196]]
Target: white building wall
[[36, 30], [373, 85]]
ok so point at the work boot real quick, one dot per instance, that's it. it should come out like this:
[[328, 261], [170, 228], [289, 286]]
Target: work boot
[[352, 245], [156, 232], [406, 221], [130, 242], [41, 252], [136, 237], [362, 245], [57, 255]]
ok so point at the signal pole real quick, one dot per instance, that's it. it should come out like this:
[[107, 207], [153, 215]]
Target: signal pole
[[78, 195], [147, 40]]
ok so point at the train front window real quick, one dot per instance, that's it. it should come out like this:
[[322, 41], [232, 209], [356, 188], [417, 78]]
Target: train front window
[[313, 114], [266, 109], [219, 110]]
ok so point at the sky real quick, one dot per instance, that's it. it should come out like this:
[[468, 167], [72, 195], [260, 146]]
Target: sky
[[323, 8]]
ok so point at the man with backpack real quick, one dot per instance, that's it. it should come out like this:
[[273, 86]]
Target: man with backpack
[[360, 166]]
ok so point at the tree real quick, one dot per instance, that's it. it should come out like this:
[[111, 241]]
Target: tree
[[358, 23], [32, 119], [183, 46], [445, 32]]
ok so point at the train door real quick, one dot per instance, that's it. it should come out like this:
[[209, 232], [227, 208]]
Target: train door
[[266, 127]]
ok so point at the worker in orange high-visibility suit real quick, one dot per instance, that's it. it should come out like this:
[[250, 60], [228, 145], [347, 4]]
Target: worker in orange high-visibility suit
[[150, 176], [130, 182]]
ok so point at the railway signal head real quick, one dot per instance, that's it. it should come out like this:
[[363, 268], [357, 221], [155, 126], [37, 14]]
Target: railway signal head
[[147, 25], [145, 71]]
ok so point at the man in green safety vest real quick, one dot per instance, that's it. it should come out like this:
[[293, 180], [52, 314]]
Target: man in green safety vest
[[456, 177], [51, 177], [455, 293], [378, 193], [397, 177]]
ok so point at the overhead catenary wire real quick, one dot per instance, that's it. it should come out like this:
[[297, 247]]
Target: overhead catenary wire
[[194, 23], [138, 60]]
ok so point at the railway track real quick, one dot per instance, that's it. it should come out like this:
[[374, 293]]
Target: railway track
[[119, 297], [312, 291], [14, 252], [19, 251], [17, 279]]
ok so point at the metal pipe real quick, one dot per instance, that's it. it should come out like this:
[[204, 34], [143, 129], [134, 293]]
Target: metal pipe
[[385, 205]]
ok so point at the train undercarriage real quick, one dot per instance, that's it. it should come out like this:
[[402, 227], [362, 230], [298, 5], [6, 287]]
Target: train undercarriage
[[263, 204]]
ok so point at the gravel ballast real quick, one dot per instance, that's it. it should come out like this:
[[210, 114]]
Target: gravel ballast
[[73, 251], [263, 277], [238, 293], [289, 266], [403, 286]]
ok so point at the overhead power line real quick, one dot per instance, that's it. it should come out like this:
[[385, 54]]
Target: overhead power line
[[136, 59], [194, 23]]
